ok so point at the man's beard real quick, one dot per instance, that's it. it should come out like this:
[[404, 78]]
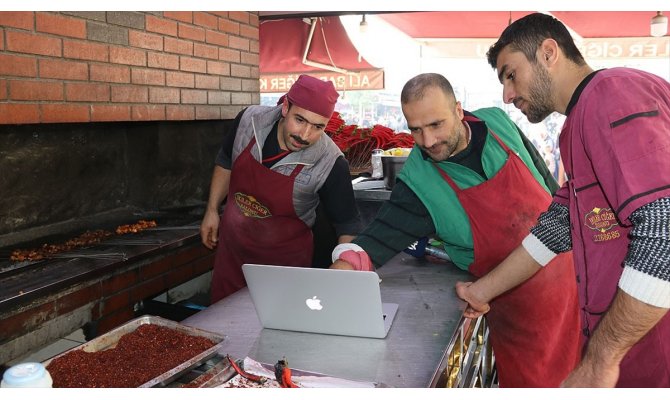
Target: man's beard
[[447, 147], [539, 96]]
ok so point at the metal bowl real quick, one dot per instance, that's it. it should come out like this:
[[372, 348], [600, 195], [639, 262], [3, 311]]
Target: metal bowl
[[391, 165]]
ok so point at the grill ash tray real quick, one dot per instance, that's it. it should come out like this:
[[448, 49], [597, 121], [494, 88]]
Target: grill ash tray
[[110, 340]]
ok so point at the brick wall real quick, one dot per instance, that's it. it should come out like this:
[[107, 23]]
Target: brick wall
[[127, 66]]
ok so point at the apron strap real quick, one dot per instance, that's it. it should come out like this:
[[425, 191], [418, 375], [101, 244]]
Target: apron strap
[[446, 177], [502, 144], [472, 118], [297, 170]]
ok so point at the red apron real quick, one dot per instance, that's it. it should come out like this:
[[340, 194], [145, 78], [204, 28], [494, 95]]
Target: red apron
[[534, 328], [259, 225]]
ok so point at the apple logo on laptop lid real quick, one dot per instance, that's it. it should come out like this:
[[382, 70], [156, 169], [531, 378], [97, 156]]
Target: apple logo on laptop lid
[[314, 303]]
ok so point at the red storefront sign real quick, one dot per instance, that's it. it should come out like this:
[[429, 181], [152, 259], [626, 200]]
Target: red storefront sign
[[372, 79]]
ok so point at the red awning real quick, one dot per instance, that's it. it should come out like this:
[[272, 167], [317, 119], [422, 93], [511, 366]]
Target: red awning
[[282, 48], [282, 45]]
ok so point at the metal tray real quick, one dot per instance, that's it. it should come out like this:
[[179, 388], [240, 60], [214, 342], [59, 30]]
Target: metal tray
[[110, 339]]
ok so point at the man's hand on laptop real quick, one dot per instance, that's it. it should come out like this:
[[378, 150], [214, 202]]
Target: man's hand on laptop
[[339, 264], [351, 256]]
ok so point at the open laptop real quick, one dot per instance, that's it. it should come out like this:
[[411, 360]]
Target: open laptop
[[328, 301]]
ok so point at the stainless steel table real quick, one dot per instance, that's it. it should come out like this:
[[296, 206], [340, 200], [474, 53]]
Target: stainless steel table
[[428, 315], [372, 194]]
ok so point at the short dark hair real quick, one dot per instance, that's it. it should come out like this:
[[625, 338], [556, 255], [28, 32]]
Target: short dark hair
[[527, 34], [416, 87]]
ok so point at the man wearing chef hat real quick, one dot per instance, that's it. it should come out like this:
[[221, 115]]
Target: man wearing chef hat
[[274, 168]]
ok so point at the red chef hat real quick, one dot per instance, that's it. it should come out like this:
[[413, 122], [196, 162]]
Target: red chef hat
[[313, 95]]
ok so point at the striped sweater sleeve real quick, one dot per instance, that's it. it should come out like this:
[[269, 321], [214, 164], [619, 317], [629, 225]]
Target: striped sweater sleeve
[[551, 235], [646, 273]]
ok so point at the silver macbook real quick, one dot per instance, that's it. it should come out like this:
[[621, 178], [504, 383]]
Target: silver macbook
[[328, 301]]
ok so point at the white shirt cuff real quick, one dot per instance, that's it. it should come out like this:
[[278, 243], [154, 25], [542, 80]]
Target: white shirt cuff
[[540, 253], [646, 288], [342, 247]]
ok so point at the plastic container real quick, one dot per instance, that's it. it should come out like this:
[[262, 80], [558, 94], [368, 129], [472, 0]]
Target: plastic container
[[26, 375], [376, 161]]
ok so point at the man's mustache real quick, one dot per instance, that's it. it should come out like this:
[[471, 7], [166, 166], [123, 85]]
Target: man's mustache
[[299, 140]]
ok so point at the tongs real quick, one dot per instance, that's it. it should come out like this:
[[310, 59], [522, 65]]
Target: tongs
[[240, 370], [283, 374]]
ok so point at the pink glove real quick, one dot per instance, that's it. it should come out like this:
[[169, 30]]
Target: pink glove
[[354, 255]]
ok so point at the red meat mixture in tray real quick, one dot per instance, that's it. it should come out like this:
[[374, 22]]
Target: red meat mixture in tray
[[139, 356]]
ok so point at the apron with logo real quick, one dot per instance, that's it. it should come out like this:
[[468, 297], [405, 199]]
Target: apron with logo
[[259, 224], [533, 327]]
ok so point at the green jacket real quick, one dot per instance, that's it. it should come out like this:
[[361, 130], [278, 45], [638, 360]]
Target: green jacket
[[451, 222]]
